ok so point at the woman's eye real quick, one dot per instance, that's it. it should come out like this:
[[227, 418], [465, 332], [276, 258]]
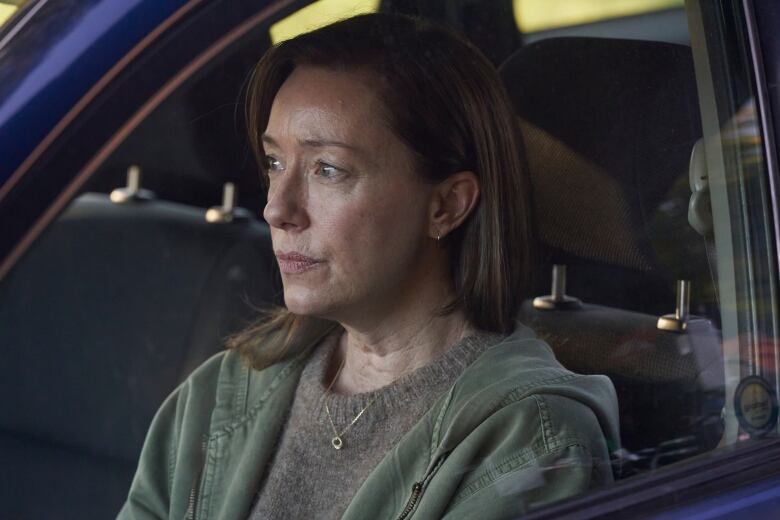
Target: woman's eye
[[326, 170], [272, 164]]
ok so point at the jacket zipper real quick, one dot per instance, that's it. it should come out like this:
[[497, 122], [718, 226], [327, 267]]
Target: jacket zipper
[[193, 500], [416, 491]]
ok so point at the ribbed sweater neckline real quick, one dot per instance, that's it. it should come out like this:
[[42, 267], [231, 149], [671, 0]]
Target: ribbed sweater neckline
[[408, 388]]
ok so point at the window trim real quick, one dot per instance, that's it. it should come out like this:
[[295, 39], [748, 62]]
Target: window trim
[[768, 137], [690, 481]]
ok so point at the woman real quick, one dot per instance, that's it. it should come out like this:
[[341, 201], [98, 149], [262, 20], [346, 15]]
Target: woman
[[396, 382]]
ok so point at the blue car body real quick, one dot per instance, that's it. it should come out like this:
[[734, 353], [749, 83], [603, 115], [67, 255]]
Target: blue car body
[[75, 47]]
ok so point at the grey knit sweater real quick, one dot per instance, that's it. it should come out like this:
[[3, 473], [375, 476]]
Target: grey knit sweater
[[308, 478]]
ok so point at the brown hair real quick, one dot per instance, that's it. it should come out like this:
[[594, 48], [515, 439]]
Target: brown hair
[[445, 101]]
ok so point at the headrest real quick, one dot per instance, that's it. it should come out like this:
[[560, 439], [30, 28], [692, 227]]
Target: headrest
[[608, 127], [111, 308], [669, 385]]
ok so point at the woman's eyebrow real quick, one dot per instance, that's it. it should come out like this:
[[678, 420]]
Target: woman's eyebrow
[[319, 143], [267, 139], [314, 143]]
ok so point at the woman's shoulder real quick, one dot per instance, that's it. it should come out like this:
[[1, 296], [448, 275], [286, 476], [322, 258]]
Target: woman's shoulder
[[227, 388], [522, 363], [521, 372], [515, 415], [222, 368]]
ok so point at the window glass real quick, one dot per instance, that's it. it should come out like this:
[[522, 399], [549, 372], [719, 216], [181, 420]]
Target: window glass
[[649, 185], [733, 170]]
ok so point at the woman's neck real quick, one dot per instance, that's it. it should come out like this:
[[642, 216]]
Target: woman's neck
[[375, 358], [389, 337]]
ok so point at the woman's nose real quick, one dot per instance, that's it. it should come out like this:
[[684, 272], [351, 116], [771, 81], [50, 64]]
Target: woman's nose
[[285, 208]]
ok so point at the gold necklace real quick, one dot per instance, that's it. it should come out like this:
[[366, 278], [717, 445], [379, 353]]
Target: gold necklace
[[337, 440]]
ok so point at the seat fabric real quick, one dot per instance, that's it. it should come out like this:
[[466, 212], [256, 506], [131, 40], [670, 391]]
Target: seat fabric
[[102, 318]]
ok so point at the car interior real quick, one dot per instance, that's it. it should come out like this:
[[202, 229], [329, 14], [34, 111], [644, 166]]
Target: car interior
[[606, 199], [147, 286]]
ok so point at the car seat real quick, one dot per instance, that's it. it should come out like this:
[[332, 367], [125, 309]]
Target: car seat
[[608, 127], [109, 310]]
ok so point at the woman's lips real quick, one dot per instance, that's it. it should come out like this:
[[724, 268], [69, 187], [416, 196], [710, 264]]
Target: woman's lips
[[294, 263]]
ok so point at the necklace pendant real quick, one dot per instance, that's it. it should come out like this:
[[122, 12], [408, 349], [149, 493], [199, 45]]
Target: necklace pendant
[[337, 442]]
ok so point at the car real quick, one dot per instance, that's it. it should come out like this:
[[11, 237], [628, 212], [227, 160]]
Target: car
[[132, 243]]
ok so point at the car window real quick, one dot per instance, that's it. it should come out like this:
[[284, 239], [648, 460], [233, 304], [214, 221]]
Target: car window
[[733, 167], [651, 196]]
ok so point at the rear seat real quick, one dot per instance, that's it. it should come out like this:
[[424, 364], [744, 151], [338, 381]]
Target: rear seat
[[609, 126], [99, 322]]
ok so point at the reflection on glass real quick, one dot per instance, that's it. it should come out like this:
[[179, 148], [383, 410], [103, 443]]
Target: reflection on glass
[[8, 8], [319, 14], [540, 15]]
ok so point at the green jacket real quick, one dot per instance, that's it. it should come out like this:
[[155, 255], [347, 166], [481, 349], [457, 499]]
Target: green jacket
[[516, 431]]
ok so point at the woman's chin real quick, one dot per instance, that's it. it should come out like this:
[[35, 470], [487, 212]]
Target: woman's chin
[[305, 304]]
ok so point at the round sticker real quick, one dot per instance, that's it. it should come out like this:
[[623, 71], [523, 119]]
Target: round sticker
[[756, 406]]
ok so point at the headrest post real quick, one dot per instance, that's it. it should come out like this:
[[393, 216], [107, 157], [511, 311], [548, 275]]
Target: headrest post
[[683, 299], [557, 299], [227, 212], [134, 178], [558, 281], [132, 192], [229, 196], [678, 322]]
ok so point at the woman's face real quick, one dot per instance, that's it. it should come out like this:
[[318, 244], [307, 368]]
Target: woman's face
[[349, 214]]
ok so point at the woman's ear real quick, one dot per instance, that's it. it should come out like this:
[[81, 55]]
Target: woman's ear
[[453, 201]]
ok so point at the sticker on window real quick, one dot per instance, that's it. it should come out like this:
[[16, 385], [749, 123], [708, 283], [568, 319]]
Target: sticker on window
[[756, 406]]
